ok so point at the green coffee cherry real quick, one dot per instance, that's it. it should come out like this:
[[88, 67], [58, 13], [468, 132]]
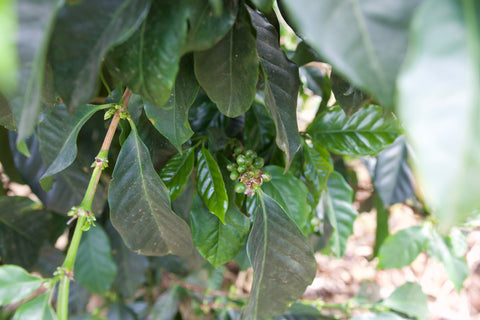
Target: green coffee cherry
[[266, 176], [248, 161], [241, 160], [240, 187], [234, 175], [241, 169], [250, 154], [238, 150], [258, 162], [232, 167]]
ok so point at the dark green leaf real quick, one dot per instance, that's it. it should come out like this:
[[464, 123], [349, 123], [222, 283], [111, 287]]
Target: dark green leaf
[[57, 135], [6, 158], [218, 242], [299, 311], [16, 284], [365, 132], [351, 99], [77, 49], [401, 248], [182, 205], [23, 230], [35, 24], [37, 308], [207, 28], [177, 171], [171, 119], [382, 229], [352, 37], [6, 116], [317, 80], [166, 306], [148, 61], [229, 70], [131, 267], [259, 132], [317, 167], [281, 86], [410, 300], [304, 54], [263, 5], [393, 176], [140, 205], [120, 311], [340, 212], [94, 265], [442, 250], [378, 316], [291, 194], [210, 184], [440, 82], [277, 250]]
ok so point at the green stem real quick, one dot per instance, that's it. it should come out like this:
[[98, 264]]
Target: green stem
[[86, 208]]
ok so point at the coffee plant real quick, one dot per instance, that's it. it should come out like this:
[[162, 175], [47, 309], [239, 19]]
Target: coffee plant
[[161, 141]]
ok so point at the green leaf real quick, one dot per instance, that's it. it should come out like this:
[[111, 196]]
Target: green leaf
[[131, 267], [281, 86], [94, 265], [177, 171], [6, 116], [218, 242], [393, 176], [291, 194], [228, 72], [57, 135], [352, 37], [120, 311], [263, 5], [382, 230], [440, 82], [408, 299], [166, 306], [210, 184], [8, 55], [304, 54], [16, 284], [171, 119], [442, 250], [401, 248], [37, 308], [317, 80], [77, 49], [378, 316], [340, 212], [365, 132], [35, 24], [207, 28], [347, 96], [317, 167], [23, 229], [6, 158], [277, 250], [140, 204], [148, 61]]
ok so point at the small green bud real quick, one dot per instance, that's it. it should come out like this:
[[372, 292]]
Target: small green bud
[[240, 187], [234, 175], [266, 176], [241, 160], [232, 167], [238, 150], [258, 162], [241, 169], [250, 154]]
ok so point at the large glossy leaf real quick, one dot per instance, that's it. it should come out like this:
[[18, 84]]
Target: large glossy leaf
[[206, 27], [365, 132], [148, 61], [455, 265], [229, 70], [177, 171], [393, 177], [69, 187], [131, 267], [94, 265], [37, 308], [408, 299], [140, 204], [290, 193], [401, 248], [352, 36], [339, 211], [281, 85], [317, 167], [77, 49], [35, 21], [57, 135], [282, 260], [218, 242], [210, 184], [438, 101], [16, 284], [23, 229], [171, 119]]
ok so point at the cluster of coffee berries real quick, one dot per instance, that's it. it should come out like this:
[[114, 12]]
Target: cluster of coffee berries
[[246, 171]]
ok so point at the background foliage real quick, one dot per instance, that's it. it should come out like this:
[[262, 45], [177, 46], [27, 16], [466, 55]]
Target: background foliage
[[207, 77]]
